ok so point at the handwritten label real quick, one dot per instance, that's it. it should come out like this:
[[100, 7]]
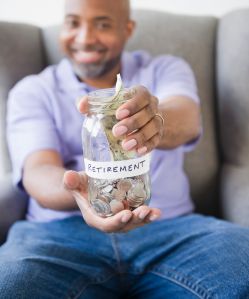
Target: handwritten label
[[117, 169]]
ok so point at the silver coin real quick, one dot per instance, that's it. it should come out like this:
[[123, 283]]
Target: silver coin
[[136, 196], [101, 207], [107, 189]]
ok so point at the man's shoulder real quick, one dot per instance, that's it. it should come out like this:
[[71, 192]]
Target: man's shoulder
[[145, 59], [35, 82]]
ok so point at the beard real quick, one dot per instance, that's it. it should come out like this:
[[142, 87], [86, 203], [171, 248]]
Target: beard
[[92, 70]]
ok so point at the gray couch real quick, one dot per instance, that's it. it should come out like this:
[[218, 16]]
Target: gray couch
[[217, 50]]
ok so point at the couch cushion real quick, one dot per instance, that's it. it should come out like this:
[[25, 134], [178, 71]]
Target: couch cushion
[[21, 54], [233, 91]]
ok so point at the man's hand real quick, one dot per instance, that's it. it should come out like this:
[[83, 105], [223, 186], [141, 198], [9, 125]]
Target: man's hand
[[140, 123], [126, 220]]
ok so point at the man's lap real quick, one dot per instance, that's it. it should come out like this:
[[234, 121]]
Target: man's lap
[[205, 257]]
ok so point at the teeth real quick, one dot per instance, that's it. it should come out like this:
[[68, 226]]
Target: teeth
[[83, 56]]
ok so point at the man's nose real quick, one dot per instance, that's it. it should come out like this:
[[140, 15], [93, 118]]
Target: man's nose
[[85, 35]]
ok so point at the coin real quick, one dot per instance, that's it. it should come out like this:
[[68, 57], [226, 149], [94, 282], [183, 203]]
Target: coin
[[101, 207], [124, 184], [119, 194], [116, 206]]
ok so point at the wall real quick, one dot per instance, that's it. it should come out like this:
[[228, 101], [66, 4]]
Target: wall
[[46, 12]]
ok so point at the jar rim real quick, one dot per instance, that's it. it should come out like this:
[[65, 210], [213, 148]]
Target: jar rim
[[96, 97]]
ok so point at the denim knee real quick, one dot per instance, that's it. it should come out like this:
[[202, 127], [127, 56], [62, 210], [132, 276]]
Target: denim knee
[[15, 279]]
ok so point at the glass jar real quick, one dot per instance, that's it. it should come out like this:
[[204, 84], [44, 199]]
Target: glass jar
[[117, 179]]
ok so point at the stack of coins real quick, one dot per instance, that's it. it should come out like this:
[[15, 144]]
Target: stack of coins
[[108, 197]]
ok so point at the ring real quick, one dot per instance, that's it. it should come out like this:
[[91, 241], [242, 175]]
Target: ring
[[160, 116]]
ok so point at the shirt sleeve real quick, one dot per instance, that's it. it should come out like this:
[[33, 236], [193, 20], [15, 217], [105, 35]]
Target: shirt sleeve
[[175, 77], [30, 124]]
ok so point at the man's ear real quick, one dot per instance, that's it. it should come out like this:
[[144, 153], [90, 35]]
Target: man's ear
[[130, 27]]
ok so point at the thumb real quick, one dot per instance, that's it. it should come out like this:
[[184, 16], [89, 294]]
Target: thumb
[[82, 105], [71, 180]]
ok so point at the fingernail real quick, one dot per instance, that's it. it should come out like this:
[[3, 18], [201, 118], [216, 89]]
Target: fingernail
[[153, 217], [142, 150], [120, 114], [119, 130], [129, 144], [126, 218], [143, 214]]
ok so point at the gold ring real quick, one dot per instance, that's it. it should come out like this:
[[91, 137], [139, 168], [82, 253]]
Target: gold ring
[[160, 116]]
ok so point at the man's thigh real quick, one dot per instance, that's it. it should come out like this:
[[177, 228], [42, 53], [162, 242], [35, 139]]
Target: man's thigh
[[204, 256], [61, 259], [152, 286]]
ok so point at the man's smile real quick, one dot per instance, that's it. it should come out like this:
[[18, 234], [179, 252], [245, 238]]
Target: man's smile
[[83, 56]]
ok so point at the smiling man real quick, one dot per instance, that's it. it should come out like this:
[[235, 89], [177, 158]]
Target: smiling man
[[65, 250], [94, 41]]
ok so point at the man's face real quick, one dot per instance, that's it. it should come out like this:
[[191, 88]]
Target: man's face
[[94, 34]]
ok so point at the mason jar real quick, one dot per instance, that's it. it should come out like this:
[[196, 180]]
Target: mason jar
[[117, 179]]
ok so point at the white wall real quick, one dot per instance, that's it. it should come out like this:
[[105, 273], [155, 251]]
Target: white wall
[[46, 12], [199, 7]]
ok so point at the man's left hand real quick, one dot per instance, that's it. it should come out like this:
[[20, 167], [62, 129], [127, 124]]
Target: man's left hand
[[140, 122]]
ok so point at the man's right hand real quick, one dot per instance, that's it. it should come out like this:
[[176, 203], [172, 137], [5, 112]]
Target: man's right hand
[[77, 182]]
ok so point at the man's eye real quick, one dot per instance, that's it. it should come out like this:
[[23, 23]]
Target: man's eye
[[103, 26], [72, 23]]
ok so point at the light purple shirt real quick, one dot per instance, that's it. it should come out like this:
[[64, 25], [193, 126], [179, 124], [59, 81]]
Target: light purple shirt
[[42, 115]]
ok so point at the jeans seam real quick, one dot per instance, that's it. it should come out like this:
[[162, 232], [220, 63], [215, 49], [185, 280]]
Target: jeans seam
[[116, 252], [184, 282], [81, 289]]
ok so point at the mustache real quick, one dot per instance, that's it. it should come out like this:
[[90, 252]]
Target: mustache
[[89, 48]]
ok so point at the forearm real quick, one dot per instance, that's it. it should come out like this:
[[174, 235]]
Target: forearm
[[45, 184], [182, 121]]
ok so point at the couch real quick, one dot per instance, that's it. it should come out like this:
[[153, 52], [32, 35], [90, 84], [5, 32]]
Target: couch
[[217, 50]]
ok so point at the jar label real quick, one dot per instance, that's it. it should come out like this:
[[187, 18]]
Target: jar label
[[117, 169]]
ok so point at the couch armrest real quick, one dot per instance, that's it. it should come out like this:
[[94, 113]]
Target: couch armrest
[[235, 194], [13, 205]]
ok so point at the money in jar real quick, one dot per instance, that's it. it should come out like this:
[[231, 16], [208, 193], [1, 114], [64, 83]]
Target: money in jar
[[117, 179]]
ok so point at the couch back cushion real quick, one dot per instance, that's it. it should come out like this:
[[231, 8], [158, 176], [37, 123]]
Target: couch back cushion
[[233, 91], [21, 54]]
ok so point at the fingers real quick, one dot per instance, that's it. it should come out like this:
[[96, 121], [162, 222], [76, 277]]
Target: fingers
[[139, 101], [141, 216], [83, 105], [145, 138], [122, 221], [148, 136], [71, 180], [140, 125], [136, 121], [76, 181]]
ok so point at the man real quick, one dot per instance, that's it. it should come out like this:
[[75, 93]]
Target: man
[[160, 251]]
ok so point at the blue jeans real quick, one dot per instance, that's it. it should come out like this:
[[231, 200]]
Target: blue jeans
[[187, 257]]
